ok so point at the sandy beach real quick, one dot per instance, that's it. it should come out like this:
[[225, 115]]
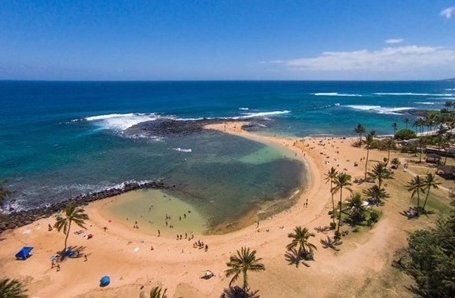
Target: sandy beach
[[137, 261]]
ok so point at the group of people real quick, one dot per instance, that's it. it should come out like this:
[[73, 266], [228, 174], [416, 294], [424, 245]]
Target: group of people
[[199, 244]]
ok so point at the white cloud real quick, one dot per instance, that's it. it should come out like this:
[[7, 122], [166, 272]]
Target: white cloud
[[447, 13], [394, 40], [390, 60]]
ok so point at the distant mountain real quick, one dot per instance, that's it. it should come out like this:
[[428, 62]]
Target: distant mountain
[[450, 80]]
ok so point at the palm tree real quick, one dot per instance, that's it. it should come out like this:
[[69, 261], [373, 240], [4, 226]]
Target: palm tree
[[421, 147], [342, 180], [355, 206], [430, 181], [380, 172], [368, 141], [329, 177], [375, 192], [406, 121], [12, 288], [360, 130], [395, 127], [72, 213], [390, 144], [449, 105], [244, 261], [156, 293], [416, 185], [418, 124], [300, 238]]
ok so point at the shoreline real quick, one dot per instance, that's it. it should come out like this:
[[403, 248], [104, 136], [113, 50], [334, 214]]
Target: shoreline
[[126, 254], [257, 211]]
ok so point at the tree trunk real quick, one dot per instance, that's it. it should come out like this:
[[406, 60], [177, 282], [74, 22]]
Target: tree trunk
[[333, 203], [245, 284], [366, 162], [66, 237], [426, 198], [339, 215]]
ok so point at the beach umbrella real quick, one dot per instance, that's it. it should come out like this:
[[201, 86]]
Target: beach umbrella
[[104, 281]]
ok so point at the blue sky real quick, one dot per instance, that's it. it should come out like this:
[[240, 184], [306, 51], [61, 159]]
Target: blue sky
[[227, 40]]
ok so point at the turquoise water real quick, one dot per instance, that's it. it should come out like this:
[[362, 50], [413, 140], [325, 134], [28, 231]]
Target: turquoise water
[[61, 139]]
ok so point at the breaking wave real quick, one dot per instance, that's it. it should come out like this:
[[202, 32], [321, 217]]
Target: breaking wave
[[379, 109], [415, 94], [182, 150], [337, 94]]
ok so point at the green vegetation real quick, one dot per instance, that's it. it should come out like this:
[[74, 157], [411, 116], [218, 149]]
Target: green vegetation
[[240, 264], [12, 288], [330, 177], [368, 142], [72, 213], [300, 238], [405, 134], [429, 259], [341, 181], [156, 293], [360, 130]]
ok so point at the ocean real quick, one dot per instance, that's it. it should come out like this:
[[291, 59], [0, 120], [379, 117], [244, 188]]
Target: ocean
[[62, 139]]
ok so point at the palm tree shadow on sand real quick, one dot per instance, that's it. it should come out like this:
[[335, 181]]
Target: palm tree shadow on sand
[[297, 256], [238, 292], [331, 243]]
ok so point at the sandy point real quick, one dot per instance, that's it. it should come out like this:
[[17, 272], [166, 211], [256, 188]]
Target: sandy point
[[136, 261]]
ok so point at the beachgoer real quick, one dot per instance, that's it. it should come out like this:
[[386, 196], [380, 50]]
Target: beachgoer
[[85, 258], [49, 227], [52, 264], [159, 233], [206, 247], [151, 247], [58, 267]]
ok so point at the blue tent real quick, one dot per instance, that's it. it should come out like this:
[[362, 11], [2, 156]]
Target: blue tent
[[24, 253], [104, 281]]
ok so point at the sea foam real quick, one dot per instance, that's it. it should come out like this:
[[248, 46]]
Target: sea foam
[[379, 109], [337, 94], [120, 122], [262, 114], [182, 150], [414, 94]]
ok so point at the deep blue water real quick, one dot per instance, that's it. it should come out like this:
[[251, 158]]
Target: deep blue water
[[60, 139]]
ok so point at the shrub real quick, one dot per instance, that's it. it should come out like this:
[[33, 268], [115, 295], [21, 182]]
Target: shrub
[[405, 134]]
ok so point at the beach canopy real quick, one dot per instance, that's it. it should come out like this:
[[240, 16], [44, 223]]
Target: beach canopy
[[207, 274], [104, 281], [24, 253]]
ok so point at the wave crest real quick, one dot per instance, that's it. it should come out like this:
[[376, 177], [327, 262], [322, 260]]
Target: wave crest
[[379, 109]]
